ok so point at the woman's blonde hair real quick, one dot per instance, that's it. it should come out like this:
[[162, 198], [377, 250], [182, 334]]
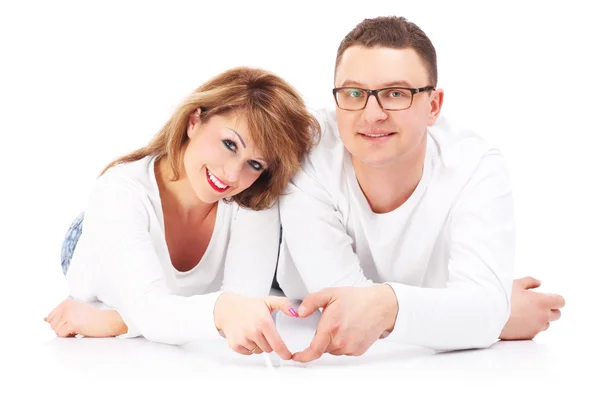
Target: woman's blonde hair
[[279, 124]]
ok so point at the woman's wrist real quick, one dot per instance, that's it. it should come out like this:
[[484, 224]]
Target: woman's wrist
[[114, 322], [220, 305]]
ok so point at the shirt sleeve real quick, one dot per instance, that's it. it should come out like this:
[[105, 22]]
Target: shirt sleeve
[[252, 252], [315, 238], [128, 272], [472, 309]]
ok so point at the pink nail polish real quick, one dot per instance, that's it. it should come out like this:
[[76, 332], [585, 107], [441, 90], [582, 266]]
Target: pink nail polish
[[293, 312]]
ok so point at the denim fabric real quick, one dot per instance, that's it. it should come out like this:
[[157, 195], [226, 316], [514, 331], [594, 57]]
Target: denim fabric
[[70, 241]]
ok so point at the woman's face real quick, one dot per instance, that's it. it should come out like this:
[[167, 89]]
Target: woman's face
[[220, 159]]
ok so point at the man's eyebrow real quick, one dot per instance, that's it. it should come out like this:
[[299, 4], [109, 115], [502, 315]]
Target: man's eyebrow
[[350, 82]]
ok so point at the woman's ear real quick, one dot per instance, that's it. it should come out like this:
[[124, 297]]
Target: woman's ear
[[193, 121]]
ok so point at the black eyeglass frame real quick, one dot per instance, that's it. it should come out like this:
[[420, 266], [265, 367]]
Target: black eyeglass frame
[[375, 93]]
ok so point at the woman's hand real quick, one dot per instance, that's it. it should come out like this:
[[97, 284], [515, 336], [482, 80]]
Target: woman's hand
[[248, 325], [72, 317]]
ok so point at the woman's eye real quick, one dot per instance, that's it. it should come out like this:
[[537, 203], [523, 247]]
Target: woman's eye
[[256, 165], [229, 144]]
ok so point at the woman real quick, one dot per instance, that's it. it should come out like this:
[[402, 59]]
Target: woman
[[177, 227]]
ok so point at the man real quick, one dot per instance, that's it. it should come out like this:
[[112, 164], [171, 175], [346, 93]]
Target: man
[[400, 224]]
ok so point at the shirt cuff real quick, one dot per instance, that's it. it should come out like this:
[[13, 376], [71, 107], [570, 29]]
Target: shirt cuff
[[207, 322], [132, 330], [406, 297], [197, 327]]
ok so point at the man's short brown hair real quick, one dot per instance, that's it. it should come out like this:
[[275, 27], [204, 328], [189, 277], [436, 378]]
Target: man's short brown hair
[[395, 33]]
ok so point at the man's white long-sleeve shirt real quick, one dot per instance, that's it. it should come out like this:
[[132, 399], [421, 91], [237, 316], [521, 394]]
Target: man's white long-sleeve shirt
[[448, 251], [122, 259]]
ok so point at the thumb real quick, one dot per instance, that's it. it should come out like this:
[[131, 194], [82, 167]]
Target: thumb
[[314, 301], [281, 303], [529, 283]]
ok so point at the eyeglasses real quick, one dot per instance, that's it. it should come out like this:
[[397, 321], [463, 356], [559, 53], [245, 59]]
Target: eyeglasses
[[390, 99]]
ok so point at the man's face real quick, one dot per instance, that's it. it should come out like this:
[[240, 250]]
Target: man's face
[[378, 137]]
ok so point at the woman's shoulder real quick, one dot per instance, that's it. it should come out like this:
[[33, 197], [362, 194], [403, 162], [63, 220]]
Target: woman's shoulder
[[137, 175], [127, 185]]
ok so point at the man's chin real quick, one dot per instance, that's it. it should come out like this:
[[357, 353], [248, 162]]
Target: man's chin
[[375, 162]]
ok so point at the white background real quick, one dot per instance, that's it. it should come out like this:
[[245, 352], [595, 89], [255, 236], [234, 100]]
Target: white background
[[82, 83]]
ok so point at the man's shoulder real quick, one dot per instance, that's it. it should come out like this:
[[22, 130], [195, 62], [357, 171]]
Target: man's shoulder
[[329, 149], [323, 168], [458, 145], [463, 156]]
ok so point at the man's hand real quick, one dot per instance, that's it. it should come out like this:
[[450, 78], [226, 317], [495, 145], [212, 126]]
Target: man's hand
[[353, 319], [72, 317], [530, 312]]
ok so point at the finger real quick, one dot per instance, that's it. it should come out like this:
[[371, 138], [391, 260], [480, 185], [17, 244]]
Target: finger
[[528, 282], [546, 326], [281, 303], [53, 313], [56, 322], [263, 344], [58, 325], [253, 348], [65, 330], [244, 348], [313, 302], [316, 349], [335, 347], [275, 341], [554, 315], [345, 350], [555, 301], [337, 352]]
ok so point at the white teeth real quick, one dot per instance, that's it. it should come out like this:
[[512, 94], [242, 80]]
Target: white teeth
[[378, 135], [217, 183]]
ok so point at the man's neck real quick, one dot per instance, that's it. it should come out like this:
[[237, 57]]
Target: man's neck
[[389, 186]]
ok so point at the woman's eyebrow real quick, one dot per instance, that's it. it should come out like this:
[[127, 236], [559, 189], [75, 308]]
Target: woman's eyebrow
[[238, 135]]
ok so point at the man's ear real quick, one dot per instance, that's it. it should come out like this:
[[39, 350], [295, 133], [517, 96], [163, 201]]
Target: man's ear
[[436, 101]]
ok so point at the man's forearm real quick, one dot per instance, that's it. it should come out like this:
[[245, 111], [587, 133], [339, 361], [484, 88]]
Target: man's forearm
[[448, 318]]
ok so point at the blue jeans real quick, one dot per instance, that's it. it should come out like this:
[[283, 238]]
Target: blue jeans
[[70, 241]]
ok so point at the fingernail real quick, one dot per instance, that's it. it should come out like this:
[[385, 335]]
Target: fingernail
[[301, 309], [293, 312]]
